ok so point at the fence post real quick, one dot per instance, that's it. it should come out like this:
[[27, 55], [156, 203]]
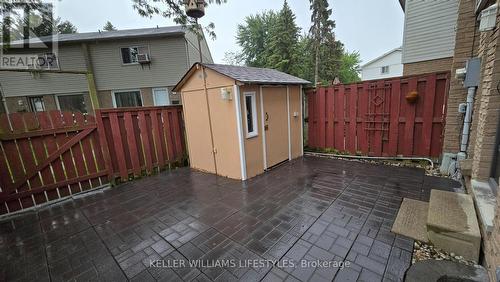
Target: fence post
[[104, 145]]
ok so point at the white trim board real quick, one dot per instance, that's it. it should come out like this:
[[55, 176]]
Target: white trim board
[[255, 122], [239, 125], [288, 121], [301, 96]]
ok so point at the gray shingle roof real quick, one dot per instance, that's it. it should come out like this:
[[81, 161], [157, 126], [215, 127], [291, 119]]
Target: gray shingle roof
[[256, 75], [108, 35]]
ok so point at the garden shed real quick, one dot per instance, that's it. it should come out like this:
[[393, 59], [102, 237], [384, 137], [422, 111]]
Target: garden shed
[[241, 121]]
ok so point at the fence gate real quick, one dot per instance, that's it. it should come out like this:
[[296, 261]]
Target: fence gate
[[46, 156], [375, 117]]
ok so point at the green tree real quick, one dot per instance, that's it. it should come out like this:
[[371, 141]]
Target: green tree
[[305, 58], [321, 31], [109, 26], [254, 36], [283, 39], [349, 67], [65, 27], [173, 9]]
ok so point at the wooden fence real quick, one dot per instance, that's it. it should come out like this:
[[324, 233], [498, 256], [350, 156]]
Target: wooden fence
[[375, 118], [46, 156]]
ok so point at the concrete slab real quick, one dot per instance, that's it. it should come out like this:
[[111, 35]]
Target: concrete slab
[[411, 220], [452, 224], [435, 270]]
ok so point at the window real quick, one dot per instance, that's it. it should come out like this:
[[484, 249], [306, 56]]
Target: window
[[161, 97], [129, 54], [251, 114], [384, 69], [36, 104], [127, 99], [72, 103]]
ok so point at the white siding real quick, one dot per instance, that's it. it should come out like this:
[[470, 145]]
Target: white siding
[[16, 84], [429, 31], [168, 64], [194, 55], [373, 70]]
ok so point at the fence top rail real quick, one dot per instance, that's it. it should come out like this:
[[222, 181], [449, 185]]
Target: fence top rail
[[137, 109], [439, 75]]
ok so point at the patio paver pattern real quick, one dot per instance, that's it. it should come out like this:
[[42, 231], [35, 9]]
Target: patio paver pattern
[[306, 210]]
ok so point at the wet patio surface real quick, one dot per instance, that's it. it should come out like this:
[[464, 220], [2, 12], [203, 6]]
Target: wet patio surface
[[309, 210]]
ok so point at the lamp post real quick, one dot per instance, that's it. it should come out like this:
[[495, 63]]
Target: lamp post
[[196, 9]]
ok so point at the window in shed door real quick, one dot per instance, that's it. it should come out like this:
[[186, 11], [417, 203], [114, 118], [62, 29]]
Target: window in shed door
[[251, 114]]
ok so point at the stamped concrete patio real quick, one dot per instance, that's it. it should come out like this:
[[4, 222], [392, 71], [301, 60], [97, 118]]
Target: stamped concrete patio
[[307, 210]]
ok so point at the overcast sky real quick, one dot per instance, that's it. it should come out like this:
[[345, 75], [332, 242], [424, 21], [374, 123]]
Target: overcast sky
[[370, 27]]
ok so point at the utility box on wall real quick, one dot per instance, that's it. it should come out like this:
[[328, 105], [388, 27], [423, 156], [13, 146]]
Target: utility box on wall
[[241, 121]]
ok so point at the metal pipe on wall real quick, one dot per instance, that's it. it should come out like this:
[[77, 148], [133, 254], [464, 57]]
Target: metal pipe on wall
[[471, 92]]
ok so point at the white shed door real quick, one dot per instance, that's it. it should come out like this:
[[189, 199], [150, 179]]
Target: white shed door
[[161, 97]]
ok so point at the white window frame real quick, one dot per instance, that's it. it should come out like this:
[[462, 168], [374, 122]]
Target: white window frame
[[70, 94], [134, 46], [161, 88], [382, 69], [255, 131], [126, 90]]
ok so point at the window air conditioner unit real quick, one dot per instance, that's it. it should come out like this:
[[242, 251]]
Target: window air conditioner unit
[[488, 18], [143, 58]]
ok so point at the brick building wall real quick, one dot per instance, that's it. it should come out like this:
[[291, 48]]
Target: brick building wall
[[470, 42], [427, 66], [465, 48]]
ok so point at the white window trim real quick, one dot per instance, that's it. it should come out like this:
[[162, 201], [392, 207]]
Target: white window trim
[[382, 70], [160, 88], [255, 131], [125, 90], [133, 46]]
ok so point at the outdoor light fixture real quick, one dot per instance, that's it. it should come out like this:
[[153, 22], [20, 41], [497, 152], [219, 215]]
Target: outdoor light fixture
[[225, 94]]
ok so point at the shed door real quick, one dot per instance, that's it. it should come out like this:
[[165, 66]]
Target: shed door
[[276, 125]]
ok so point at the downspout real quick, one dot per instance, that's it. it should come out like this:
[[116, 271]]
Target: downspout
[[471, 92]]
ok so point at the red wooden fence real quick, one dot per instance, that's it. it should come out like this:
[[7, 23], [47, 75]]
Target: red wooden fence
[[46, 156], [374, 118]]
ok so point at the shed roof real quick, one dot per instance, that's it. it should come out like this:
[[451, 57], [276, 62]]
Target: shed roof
[[249, 75]]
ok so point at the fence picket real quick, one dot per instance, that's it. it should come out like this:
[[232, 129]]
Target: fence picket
[[375, 118]]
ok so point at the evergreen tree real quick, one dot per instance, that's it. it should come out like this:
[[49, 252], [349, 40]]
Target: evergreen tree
[[321, 30], [254, 36], [108, 26], [283, 42], [66, 27]]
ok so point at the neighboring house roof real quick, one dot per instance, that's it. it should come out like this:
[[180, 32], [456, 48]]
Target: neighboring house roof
[[382, 56], [249, 75], [107, 35], [402, 3]]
